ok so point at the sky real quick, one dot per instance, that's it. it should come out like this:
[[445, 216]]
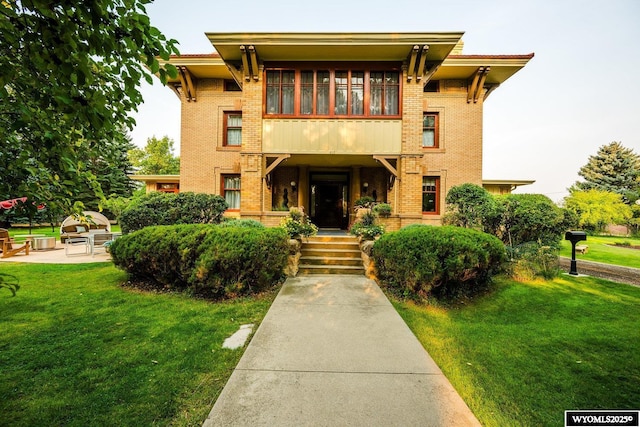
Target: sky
[[580, 91]]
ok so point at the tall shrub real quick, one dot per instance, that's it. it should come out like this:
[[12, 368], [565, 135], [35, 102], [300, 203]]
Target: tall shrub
[[419, 259], [531, 218], [471, 206]]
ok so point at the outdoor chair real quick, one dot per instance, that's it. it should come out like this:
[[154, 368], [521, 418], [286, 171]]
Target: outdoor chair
[[7, 244], [98, 239]]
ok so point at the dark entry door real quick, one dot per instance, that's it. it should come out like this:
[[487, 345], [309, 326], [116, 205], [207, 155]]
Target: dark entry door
[[328, 205], [328, 198]]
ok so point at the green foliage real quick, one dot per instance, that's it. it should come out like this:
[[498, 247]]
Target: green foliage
[[613, 169], [471, 206], [248, 223], [366, 226], [531, 218], [417, 260], [596, 209], [157, 208], [363, 202], [530, 260], [157, 157], [382, 209], [297, 224], [70, 77], [220, 262]]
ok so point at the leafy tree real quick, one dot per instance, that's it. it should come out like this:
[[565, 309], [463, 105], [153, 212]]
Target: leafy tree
[[596, 208], [471, 206], [69, 76], [615, 169], [531, 218], [157, 157]]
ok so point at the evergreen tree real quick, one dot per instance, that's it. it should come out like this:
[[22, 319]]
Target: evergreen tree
[[615, 169]]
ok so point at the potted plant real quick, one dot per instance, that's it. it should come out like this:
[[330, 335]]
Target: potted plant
[[383, 210]]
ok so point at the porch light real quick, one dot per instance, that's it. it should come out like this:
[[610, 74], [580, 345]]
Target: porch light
[[293, 186], [365, 187]]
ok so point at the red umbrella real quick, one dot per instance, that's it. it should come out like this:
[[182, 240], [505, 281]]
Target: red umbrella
[[8, 204]]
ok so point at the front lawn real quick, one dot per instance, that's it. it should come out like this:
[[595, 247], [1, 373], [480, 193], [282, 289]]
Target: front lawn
[[527, 352], [76, 349], [47, 231], [607, 249]]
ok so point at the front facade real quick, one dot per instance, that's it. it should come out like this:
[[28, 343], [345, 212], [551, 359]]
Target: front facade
[[319, 120]]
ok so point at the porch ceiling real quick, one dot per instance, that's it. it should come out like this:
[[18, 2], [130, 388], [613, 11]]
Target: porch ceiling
[[330, 161]]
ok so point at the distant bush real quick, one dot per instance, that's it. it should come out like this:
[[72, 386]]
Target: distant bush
[[218, 262], [421, 260], [530, 260], [157, 208]]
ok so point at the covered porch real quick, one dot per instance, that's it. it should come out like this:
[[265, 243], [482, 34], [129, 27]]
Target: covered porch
[[326, 186]]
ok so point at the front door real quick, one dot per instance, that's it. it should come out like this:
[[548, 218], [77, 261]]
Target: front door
[[329, 200]]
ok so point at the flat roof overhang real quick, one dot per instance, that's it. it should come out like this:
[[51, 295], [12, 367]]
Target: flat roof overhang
[[463, 67], [170, 179], [512, 182], [333, 46]]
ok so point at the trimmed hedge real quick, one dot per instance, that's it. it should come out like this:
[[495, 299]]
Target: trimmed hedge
[[211, 260], [419, 260], [157, 208]]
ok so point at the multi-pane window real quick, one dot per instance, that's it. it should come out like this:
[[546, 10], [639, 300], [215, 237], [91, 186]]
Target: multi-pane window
[[357, 93], [306, 92], [342, 88], [430, 194], [280, 91], [231, 190], [232, 129], [332, 93], [322, 92], [430, 130], [385, 93]]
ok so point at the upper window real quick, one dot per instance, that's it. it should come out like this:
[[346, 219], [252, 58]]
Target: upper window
[[231, 191], [231, 86], [280, 92], [430, 194], [232, 129], [340, 92], [430, 130]]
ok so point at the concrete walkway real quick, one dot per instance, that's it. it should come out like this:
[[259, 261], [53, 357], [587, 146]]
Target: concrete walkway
[[58, 256], [333, 351]]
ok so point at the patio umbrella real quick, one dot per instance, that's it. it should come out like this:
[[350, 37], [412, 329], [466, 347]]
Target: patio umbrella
[[9, 204]]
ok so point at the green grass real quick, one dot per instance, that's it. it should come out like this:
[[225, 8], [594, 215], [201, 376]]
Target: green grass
[[76, 349], [603, 249], [47, 231], [527, 352]]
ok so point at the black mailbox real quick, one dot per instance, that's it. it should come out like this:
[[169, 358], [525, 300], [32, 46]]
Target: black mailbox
[[574, 237]]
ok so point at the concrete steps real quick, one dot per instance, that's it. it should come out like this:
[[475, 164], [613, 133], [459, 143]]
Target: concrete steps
[[330, 255]]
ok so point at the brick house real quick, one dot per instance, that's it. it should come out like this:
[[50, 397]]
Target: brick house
[[318, 120]]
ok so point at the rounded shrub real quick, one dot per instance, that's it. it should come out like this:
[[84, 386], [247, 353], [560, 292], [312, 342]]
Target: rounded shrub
[[158, 208], [218, 262], [420, 260]]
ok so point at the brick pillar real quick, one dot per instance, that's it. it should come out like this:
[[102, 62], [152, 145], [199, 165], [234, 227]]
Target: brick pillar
[[253, 190]]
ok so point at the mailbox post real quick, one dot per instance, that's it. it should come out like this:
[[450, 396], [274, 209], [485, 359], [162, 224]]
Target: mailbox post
[[574, 237]]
